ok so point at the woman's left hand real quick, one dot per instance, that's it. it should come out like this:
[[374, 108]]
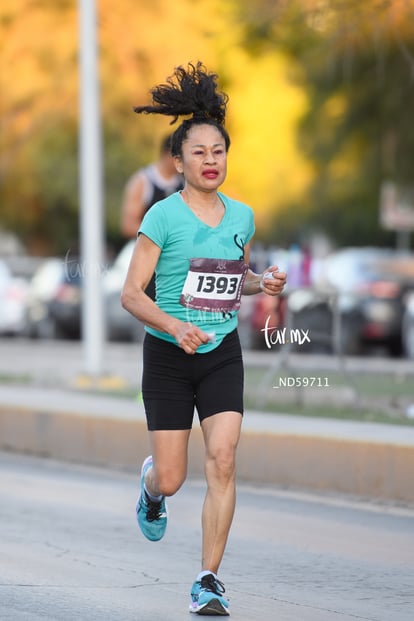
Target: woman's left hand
[[272, 281]]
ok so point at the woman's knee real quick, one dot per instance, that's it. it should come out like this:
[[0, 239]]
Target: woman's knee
[[221, 462], [169, 480], [169, 451]]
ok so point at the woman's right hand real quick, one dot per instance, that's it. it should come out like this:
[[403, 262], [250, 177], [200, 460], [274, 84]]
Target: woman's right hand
[[190, 337]]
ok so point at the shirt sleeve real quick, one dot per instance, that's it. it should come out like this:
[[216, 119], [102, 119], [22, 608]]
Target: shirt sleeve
[[154, 225], [251, 226]]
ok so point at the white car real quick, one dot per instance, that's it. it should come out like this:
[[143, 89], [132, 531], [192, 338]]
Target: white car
[[42, 289], [121, 325], [13, 296]]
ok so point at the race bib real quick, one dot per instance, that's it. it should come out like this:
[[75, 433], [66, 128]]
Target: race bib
[[214, 284]]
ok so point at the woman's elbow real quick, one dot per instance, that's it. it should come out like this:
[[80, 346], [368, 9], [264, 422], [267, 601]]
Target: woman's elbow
[[132, 298], [127, 298]]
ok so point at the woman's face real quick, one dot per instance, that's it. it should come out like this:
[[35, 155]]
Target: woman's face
[[204, 159]]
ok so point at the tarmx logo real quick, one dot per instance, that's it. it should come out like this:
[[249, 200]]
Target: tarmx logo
[[283, 336], [75, 268]]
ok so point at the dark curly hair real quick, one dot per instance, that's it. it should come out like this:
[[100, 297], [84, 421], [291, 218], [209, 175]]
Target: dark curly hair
[[191, 91]]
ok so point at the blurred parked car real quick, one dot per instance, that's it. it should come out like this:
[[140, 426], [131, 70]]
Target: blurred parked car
[[371, 297], [265, 313], [65, 305], [55, 300], [43, 288], [121, 325], [13, 294]]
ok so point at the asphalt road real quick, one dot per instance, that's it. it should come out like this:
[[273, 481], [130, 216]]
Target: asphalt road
[[70, 550]]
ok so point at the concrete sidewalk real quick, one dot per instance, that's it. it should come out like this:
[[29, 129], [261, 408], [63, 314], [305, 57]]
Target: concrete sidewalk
[[363, 459]]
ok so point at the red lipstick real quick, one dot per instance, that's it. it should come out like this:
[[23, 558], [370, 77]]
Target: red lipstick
[[210, 173]]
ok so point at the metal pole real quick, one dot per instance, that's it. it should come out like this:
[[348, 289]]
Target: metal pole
[[91, 218]]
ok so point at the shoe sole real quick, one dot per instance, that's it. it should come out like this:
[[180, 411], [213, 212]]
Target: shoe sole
[[212, 608], [143, 469], [147, 461]]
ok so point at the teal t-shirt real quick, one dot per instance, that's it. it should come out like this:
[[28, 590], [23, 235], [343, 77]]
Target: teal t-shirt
[[182, 236]]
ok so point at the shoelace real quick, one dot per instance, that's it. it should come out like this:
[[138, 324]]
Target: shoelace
[[212, 584], [153, 509]]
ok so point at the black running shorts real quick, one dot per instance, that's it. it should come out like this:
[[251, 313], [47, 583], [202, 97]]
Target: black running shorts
[[173, 382]]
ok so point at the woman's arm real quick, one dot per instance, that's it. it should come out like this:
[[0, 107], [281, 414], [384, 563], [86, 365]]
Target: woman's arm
[[138, 303]]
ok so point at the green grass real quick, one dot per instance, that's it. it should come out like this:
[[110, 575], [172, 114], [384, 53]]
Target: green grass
[[380, 398], [371, 390], [15, 379], [359, 414], [365, 397]]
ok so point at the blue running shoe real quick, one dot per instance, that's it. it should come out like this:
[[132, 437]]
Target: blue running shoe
[[151, 516], [207, 597]]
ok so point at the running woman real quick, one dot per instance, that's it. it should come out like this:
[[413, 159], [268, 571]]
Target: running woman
[[197, 242]]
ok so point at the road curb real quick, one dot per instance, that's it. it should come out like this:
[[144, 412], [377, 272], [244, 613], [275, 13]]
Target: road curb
[[333, 461]]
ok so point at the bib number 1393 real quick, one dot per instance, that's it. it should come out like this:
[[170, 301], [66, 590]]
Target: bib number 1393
[[214, 284], [208, 283]]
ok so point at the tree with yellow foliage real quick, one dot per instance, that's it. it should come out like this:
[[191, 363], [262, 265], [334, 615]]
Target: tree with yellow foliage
[[139, 44], [355, 61]]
